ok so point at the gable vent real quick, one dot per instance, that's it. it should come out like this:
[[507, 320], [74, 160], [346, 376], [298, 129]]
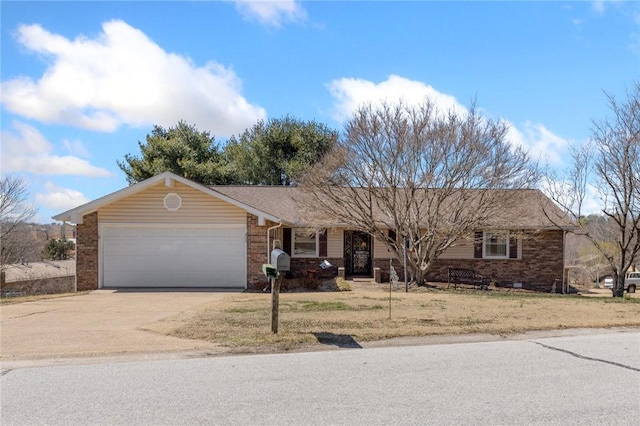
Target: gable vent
[[172, 202]]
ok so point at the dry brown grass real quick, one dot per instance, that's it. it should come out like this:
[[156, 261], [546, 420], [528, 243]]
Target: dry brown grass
[[25, 299], [242, 321]]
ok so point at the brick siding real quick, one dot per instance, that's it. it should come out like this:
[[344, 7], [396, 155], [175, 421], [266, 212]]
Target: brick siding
[[539, 268], [257, 256], [299, 265], [87, 253], [256, 252]]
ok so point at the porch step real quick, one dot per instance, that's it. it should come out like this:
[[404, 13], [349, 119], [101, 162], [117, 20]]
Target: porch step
[[362, 279]]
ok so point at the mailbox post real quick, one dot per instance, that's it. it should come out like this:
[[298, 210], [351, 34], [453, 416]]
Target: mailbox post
[[280, 261]]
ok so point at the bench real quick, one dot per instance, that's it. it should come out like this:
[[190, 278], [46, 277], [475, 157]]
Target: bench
[[465, 276]]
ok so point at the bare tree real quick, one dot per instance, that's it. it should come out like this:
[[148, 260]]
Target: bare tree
[[15, 211], [610, 163], [430, 176]]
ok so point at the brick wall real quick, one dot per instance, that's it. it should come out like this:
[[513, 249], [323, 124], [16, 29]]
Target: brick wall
[[50, 285], [256, 252], [540, 266], [301, 264], [87, 253], [257, 256]]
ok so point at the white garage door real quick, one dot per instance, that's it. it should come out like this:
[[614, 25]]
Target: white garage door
[[174, 256]]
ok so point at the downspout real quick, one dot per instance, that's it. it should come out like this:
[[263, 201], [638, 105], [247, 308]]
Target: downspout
[[268, 245]]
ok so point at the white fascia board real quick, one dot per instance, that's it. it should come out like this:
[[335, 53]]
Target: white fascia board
[[260, 214], [78, 219], [94, 205]]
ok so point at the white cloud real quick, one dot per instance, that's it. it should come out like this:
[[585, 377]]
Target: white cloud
[[351, 93], [76, 147], [598, 6], [271, 13], [592, 203], [122, 77], [26, 150], [542, 144], [58, 198]]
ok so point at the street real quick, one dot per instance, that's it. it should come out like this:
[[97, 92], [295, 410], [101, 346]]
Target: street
[[588, 380]]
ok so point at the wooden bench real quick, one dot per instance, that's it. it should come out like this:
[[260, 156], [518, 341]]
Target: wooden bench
[[466, 276]]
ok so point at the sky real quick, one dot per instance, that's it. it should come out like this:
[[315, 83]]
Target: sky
[[82, 83]]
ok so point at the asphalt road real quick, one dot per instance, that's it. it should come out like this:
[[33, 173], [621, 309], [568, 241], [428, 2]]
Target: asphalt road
[[581, 380]]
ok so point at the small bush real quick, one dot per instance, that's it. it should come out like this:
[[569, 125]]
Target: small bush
[[310, 283], [342, 284], [293, 285]]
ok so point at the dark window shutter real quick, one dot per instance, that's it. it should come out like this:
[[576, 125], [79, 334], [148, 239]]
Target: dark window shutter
[[477, 245], [286, 240], [392, 235], [513, 247], [322, 243]]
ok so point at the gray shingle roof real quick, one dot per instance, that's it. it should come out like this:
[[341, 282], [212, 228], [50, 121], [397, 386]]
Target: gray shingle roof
[[279, 201], [527, 209]]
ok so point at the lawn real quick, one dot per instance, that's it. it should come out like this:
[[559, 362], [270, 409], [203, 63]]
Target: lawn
[[370, 313]]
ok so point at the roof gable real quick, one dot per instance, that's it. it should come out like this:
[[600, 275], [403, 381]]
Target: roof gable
[[76, 214]]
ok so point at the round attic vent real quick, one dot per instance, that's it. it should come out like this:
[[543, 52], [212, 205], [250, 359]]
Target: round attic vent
[[172, 202]]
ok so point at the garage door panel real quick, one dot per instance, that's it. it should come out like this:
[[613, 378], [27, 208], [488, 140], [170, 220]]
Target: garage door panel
[[169, 256]]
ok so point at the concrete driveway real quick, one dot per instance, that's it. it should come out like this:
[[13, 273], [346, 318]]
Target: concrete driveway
[[97, 324]]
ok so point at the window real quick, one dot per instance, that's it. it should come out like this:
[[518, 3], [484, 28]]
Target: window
[[496, 245], [304, 242], [172, 202]]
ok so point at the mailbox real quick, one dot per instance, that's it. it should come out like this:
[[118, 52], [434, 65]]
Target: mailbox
[[270, 271], [280, 260]]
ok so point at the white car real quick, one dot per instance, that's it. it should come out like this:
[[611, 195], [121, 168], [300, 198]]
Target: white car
[[608, 283]]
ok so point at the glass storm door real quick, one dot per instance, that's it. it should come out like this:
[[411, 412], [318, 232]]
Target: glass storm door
[[357, 253]]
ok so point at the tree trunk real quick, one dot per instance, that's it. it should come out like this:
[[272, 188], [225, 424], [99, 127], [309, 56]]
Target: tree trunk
[[417, 274], [618, 286]]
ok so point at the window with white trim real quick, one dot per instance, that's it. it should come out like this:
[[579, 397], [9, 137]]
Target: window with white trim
[[495, 245], [172, 202], [304, 242]]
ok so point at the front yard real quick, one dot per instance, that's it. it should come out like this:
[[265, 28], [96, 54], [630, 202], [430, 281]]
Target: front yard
[[242, 321]]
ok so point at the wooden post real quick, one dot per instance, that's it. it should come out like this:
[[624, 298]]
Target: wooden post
[[275, 300], [389, 298], [405, 243]]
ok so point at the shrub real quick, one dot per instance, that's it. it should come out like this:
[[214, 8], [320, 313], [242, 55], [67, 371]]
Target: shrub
[[299, 284], [342, 284], [57, 249]]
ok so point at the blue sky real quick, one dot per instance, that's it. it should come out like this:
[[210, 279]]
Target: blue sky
[[83, 82]]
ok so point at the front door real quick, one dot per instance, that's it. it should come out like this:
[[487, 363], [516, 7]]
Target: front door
[[357, 253]]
